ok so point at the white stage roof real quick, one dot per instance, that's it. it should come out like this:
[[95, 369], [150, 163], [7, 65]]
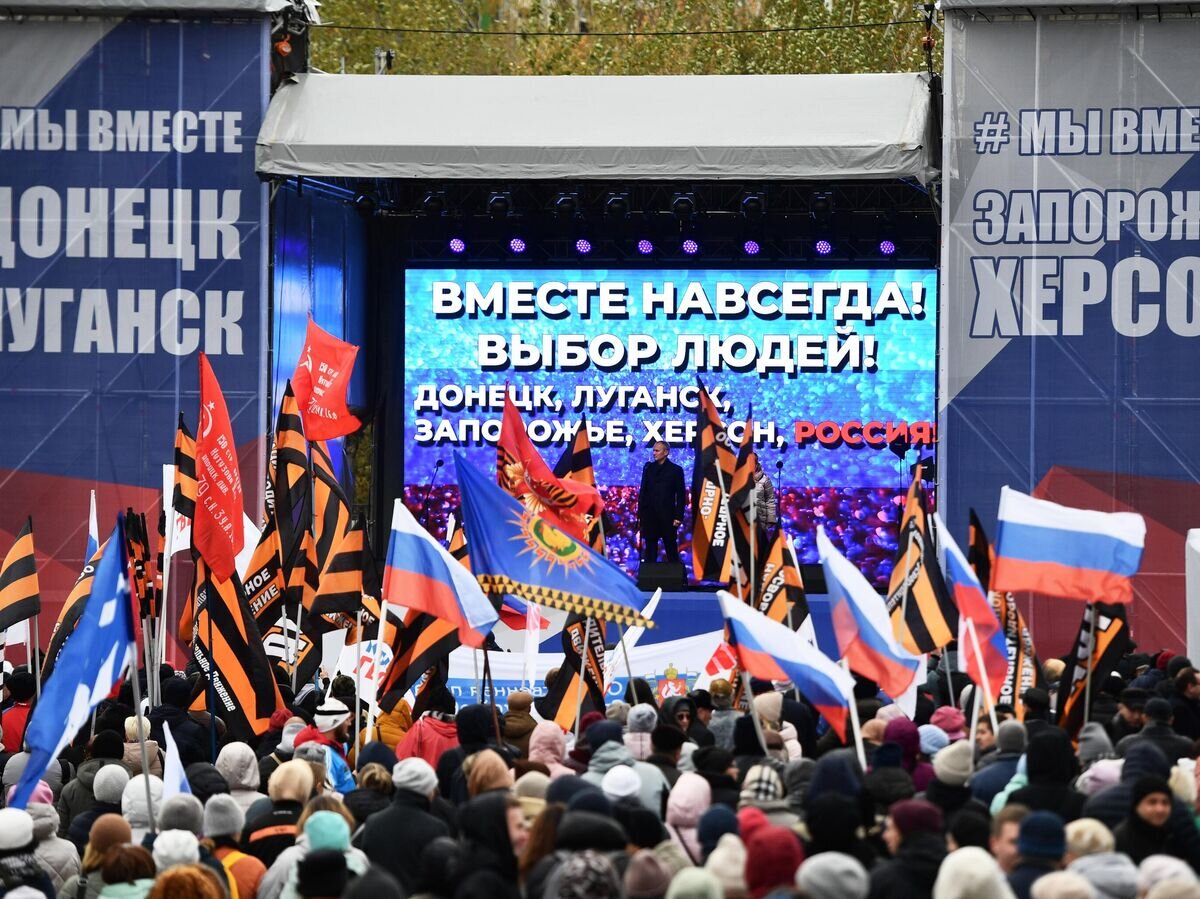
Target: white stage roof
[[665, 127]]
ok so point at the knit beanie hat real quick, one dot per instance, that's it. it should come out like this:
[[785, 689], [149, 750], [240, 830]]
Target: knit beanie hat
[[1094, 744], [327, 830], [41, 793], [16, 829], [872, 731], [646, 878], [712, 759], [1157, 868], [223, 817], [954, 764], [721, 692], [109, 784], [643, 718], [728, 863], [643, 826], [617, 711], [772, 857], [1042, 835], [667, 738], [107, 831], [175, 847], [716, 821], [414, 774], [531, 785], [833, 875], [762, 784], [321, 873], [291, 730], [916, 816], [561, 789], [769, 707], [1011, 737], [330, 714], [933, 739], [695, 883], [603, 732], [377, 752], [951, 720], [750, 821], [620, 782], [1148, 786], [183, 811], [107, 744], [591, 800]]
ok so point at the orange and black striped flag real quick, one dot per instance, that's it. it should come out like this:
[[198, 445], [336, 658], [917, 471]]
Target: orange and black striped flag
[[20, 598], [980, 554], [561, 703], [749, 556], [227, 647], [458, 547], [348, 574], [1112, 641], [421, 642], [712, 533], [575, 464], [780, 585], [331, 508], [137, 551], [72, 609], [183, 499], [924, 616]]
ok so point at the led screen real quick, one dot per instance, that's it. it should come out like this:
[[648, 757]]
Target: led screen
[[835, 365]]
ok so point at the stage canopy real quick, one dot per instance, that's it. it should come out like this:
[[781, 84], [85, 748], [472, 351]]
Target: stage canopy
[[664, 127]]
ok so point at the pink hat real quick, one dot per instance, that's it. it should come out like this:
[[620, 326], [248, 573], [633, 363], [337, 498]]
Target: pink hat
[[41, 793], [952, 721]]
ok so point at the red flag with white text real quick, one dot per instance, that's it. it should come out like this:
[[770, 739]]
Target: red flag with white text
[[320, 382], [217, 530]]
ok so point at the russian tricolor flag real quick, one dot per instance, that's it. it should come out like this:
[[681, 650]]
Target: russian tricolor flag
[[968, 594], [772, 651], [1073, 553], [420, 574], [864, 630]]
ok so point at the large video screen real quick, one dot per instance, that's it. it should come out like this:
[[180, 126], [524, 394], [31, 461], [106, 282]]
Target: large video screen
[[836, 365]]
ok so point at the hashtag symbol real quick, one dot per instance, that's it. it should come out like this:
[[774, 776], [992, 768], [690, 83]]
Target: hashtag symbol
[[991, 132]]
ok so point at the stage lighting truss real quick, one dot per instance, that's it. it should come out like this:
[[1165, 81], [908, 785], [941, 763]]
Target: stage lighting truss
[[683, 206], [500, 204]]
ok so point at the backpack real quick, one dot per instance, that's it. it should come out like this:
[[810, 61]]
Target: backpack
[[227, 863]]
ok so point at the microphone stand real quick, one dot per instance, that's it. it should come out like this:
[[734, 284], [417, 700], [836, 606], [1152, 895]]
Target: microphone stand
[[428, 490]]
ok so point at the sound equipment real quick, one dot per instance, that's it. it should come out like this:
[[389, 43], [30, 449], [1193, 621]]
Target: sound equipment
[[670, 577]]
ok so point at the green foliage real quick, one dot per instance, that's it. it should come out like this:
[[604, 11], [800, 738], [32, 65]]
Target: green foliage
[[706, 46]]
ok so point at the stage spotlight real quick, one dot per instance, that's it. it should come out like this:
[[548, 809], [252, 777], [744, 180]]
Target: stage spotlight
[[823, 247], [434, 203], [754, 204], [820, 206], [583, 246], [516, 245], [499, 204], [645, 247], [683, 206], [457, 245], [690, 247], [566, 206], [751, 248], [366, 204], [887, 248], [616, 205]]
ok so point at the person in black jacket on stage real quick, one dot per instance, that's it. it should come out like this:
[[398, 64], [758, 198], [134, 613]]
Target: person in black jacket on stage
[[660, 505]]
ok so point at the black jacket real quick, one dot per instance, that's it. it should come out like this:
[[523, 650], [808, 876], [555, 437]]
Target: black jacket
[[1023, 876], [268, 834], [910, 875], [363, 803], [661, 497], [1164, 736], [192, 738], [395, 837], [1138, 839]]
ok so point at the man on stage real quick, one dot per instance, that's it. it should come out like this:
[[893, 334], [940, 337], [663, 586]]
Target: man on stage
[[660, 505]]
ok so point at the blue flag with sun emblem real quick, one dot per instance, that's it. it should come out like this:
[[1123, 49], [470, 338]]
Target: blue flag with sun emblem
[[516, 552]]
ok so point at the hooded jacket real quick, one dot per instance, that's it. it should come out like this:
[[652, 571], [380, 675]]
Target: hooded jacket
[[987, 782], [132, 758], [394, 838], [518, 722], [655, 789], [911, 874], [77, 796], [390, 728], [58, 857], [696, 732], [1113, 875], [763, 789], [133, 804], [429, 738], [473, 725], [191, 738], [1112, 805], [689, 799], [905, 733], [239, 766], [548, 745], [1051, 768], [483, 824]]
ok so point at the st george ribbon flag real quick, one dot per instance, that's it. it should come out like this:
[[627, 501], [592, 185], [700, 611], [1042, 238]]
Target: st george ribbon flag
[[90, 665], [773, 651], [1073, 553], [422, 575], [864, 630]]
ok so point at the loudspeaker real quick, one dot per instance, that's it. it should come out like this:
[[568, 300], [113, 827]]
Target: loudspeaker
[[667, 576]]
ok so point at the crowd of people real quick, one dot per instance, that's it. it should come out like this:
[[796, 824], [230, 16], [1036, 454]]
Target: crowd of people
[[688, 798]]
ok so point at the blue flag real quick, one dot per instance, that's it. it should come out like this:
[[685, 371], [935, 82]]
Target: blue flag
[[91, 663], [516, 552]]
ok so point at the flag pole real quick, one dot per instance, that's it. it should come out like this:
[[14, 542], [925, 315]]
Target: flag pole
[[137, 704], [975, 700], [583, 658], [1087, 684], [854, 723], [758, 730], [37, 658], [358, 626], [796, 564], [986, 686], [625, 650], [372, 706], [753, 533]]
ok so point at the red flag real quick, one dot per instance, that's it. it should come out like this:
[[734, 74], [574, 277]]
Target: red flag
[[217, 530], [320, 382]]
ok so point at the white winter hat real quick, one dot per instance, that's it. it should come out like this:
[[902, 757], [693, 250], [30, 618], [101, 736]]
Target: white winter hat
[[332, 713], [16, 828], [620, 782]]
